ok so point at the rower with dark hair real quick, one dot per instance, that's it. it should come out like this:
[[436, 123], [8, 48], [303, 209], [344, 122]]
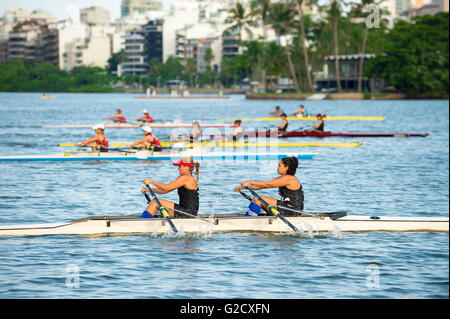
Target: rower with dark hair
[[320, 125], [284, 124], [289, 187], [277, 112], [196, 133]]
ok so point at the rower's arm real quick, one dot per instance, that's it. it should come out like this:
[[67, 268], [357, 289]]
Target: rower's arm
[[136, 143], [277, 182], [91, 140], [167, 188]]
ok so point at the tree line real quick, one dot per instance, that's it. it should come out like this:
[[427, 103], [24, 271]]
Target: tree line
[[413, 56]]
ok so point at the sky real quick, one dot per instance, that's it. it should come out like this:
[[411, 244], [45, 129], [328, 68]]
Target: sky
[[58, 7]]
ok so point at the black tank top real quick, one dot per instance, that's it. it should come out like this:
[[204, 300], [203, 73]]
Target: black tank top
[[188, 199], [294, 197], [284, 129], [321, 127]]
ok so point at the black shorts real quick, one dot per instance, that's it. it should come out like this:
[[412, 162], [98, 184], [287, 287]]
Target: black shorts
[[286, 212], [183, 209]]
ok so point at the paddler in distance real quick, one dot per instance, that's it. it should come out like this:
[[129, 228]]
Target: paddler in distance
[[148, 142], [277, 112], [237, 132], [187, 186], [97, 142], [289, 187], [284, 124], [301, 112], [118, 118], [320, 125], [196, 133], [146, 118]]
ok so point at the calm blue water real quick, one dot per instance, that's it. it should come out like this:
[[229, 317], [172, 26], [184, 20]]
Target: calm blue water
[[385, 176]]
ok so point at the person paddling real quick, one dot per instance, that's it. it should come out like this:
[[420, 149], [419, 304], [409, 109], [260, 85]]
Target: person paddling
[[277, 111], [284, 124], [301, 112], [146, 118], [320, 125], [148, 141], [118, 118], [237, 132], [185, 184], [98, 142], [289, 187], [196, 133]]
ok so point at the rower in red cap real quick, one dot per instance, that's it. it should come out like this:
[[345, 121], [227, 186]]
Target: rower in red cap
[[148, 141], [187, 186]]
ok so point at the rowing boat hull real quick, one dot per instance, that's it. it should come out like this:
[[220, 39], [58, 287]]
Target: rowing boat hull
[[156, 156], [310, 118], [331, 134], [235, 144], [121, 225], [138, 125]]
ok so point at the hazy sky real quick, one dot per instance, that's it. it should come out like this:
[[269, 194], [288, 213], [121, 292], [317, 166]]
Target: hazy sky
[[58, 7]]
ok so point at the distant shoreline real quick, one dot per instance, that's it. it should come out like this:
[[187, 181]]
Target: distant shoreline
[[163, 92], [342, 96]]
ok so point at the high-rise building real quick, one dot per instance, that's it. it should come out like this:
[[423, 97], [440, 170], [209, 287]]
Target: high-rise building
[[142, 46], [33, 40], [129, 7], [94, 15]]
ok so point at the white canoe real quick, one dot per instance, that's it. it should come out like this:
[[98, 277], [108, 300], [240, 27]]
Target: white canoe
[[153, 156], [123, 225]]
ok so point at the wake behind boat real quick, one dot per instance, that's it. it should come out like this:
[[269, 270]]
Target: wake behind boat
[[225, 223]]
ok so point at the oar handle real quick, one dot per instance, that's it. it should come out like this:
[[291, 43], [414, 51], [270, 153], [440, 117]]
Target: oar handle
[[162, 209]]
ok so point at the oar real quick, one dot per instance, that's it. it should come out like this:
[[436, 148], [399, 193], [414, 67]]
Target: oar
[[273, 210], [331, 215], [162, 210]]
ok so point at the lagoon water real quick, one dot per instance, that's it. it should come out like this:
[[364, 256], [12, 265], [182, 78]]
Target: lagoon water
[[384, 176]]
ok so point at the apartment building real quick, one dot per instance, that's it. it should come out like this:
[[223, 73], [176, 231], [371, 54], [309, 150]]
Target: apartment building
[[142, 45], [34, 41], [128, 7]]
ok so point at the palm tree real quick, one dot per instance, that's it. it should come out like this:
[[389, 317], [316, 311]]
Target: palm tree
[[335, 18], [303, 42], [281, 18], [191, 68], [261, 8], [241, 19], [359, 10]]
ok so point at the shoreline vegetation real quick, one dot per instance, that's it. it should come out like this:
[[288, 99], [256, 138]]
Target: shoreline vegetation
[[413, 58]]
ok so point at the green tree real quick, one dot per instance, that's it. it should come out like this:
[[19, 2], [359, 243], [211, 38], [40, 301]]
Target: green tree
[[281, 18], [415, 58]]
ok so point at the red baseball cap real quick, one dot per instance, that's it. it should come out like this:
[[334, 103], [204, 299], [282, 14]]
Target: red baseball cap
[[181, 162]]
